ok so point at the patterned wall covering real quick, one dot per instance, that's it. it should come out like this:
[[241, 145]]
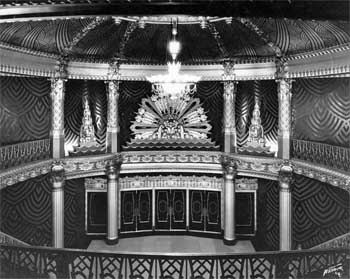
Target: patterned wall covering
[[322, 110], [266, 92], [26, 211], [74, 110], [210, 94], [320, 213], [25, 106], [131, 94]]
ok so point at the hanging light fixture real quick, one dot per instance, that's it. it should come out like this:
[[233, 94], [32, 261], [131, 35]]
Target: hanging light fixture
[[173, 84]]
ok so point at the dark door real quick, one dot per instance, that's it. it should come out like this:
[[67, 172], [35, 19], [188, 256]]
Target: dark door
[[128, 211], [96, 212], [178, 210], [197, 210], [162, 210], [144, 206], [213, 208], [244, 212]]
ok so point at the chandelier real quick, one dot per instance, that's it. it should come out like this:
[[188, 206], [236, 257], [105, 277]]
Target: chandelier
[[173, 84]]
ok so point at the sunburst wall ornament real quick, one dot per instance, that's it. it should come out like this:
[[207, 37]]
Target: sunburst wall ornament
[[164, 121], [173, 84]]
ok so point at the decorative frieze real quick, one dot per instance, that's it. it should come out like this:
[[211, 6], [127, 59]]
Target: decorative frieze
[[170, 181]]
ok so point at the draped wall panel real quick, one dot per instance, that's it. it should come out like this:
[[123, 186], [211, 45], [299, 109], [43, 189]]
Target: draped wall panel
[[322, 110], [266, 93], [74, 109], [26, 211], [25, 107]]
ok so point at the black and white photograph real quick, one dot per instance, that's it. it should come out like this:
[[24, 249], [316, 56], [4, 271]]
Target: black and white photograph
[[174, 139]]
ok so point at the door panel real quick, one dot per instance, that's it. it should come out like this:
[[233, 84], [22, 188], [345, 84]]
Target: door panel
[[213, 211], [128, 211], [96, 212], [144, 218], [196, 210], [245, 221], [162, 209], [178, 209]]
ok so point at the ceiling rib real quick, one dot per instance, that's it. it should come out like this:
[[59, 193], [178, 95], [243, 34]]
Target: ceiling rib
[[253, 27], [67, 51], [215, 33], [126, 36]]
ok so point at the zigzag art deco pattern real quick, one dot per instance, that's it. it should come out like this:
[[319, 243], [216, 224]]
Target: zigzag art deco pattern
[[26, 211], [24, 109], [322, 107]]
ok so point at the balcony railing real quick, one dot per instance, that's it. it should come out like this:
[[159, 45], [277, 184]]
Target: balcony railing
[[10, 240], [325, 154], [42, 262], [25, 152]]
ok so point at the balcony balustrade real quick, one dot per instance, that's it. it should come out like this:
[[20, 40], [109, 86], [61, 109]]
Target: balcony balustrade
[[325, 154], [42, 262], [25, 152]]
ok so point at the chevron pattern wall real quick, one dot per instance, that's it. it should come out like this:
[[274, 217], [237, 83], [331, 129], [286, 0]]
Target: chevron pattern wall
[[321, 109], [25, 107], [26, 211]]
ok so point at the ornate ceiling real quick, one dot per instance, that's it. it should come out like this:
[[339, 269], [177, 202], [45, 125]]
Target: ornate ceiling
[[143, 39]]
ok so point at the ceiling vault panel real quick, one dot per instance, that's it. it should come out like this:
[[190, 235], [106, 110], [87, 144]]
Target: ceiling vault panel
[[126, 36], [218, 40], [68, 50]]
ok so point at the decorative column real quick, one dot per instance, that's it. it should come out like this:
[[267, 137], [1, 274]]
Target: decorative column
[[112, 143], [57, 117], [284, 89], [57, 110], [285, 206], [57, 175], [229, 123], [112, 203], [229, 203]]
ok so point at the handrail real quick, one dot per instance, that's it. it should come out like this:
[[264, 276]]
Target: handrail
[[24, 152], [329, 155], [71, 263], [342, 241], [10, 240]]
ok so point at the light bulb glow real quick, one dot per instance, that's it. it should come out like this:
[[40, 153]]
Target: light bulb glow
[[174, 48]]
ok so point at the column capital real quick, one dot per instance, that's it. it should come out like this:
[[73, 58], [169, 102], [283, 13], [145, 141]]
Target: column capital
[[229, 74], [285, 176], [113, 70], [230, 167], [61, 68], [113, 168], [57, 174]]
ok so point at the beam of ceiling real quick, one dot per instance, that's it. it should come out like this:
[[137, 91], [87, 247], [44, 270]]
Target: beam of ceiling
[[336, 9], [81, 34], [129, 29], [218, 40], [253, 27]]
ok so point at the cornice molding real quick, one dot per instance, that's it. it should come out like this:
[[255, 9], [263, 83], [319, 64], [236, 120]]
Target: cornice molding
[[334, 177]]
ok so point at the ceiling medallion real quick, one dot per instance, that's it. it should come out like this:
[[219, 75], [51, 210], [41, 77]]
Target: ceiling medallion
[[173, 84]]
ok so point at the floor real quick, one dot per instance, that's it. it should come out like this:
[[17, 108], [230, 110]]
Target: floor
[[172, 244]]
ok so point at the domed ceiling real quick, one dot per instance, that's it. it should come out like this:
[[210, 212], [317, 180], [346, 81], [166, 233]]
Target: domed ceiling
[[144, 39]]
